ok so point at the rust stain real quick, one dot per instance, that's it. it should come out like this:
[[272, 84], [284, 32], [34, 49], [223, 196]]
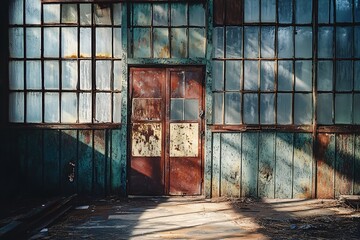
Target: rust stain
[[164, 52], [103, 55], [71, 56]]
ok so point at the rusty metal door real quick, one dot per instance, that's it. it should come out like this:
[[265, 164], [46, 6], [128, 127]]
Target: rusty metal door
[[166, 131]]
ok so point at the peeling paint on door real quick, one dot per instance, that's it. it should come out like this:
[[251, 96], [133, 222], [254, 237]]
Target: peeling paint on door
[[184, 139], [146, 140]]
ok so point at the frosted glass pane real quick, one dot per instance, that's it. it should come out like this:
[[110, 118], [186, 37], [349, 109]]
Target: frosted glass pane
[[344, 11], [303, 11], [344, 76], [356, 108], [357, 42], [267, 108], [218, 103], [191, 109], [233, 75], [160, 14], [16, 9], [51, 13], [267, 42], [102, 14], [33, 11], [303, 108], [16, 75], [178, 14], [218, 75], [69, 13], [344, 42], [85, 107], [34, 107], [69, 75], [285, 11], [303, 42], [218, 42], [33, 42], [161, 44], [197, 42], [251, 109], [285, 75], [325, 42], [85, 75], [69, 48], [267, 75], [16, 107], [117, 76], [52, 108], [103, 47], [233, 108], [251, 75], [51, 75], [85, 14], [141, 42], [357, 10], [303, 75], [343, 108], [284, 108], [177, 109], [117, 13], [179, 43], [357, 75], [16, 42], [325, 76], [103, 75], [251, 10], [117, 108], [285, 42], [233, 42], [85, 42], [68, 108], [324, 108], [197, 15], [325, 11], [103, 108], [117, 43], [251, 42], [268, 11], [33, 74], [51, 45], [141, 14]]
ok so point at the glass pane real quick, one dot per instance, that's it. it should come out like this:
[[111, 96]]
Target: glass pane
[[233, 42], [303, 75], [117, 13], [344, 42], [160, 14], [324, 108], [233, 75], [85, 14], [251, 109], [69, 39], [197, 42], [117, 108], [69, 13], [218, 42], [16, 107], [357, 10], [85, 107], [251, 42], [285, 42], [51, 75], [191, 109], [103, 47], [344, 11], [161, 43], [85, 75], [267, 108], [285, 10], [85, 42], [68, 108], [177, 109], [141, 42], [16, 42], [325, 76], [218, 103], [268, 11], [16, 9], [177, 89], [33, 42], [284, 108], [303, 42], [16, 75], [267, 42], [33, 74], [218, 75], [178, 14], [103, 75], [141, 14], [251, 10], [343, 108], [251, 75], [33, 11], [117, 43], [102, 14], [356, 109], [303, 11], [178, 43], [325, 11], [285, 75], [197, 15], [357, 75], [325, 42], [357, 42], [233, 108], [52, 108], [51, 13], [69, 75], [51, 45], [34, 107], [103, 108], [267, 76], [303, 108], [117, 75], [344, 76]]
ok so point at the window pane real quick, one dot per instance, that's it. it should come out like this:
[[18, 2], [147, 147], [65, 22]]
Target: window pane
[[191, 109], [325, 42], [324, 108], [103, 108], [357, 42], [344, 11], [285, 42], [69, 75], [357, 10], [51, 45], [69, 13], [16, 107], [218, 75], [178, 43], [251, 109], [51, 13], [284, 108], [251, 44], [103, 75], [232, 108], [117, 43], [68, 108], [161, 43], [197, 42], [285, 75], [16, 42], [85, 75], [233, 42], [117, 13], [85, 14], [16, 9], [197, 15], [177, 109], [32, 11], [251, 75], [52, 108], [102, 14], [303, 75], [218, 42], [34, 107], [303, 42], [356, 108], [85, 42], [251, 10], [33, 74], [285, 11], [343, 108], [69, 47], [33, 42], [51, 75], [141, 42], [344, 42], [267, 108], [267, 42], [344, 76], [85, 107], [160, 14], [178, 14], [357, 75], [16, 75], [218, 103], [268, 11], [267, 75], [233, 75], [117, 108], [141, 14], [117, 75], [325, 76], [303, 108], [303, 11], [103, 47]]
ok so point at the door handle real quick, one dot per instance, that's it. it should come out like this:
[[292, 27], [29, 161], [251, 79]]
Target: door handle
[[201, 113]]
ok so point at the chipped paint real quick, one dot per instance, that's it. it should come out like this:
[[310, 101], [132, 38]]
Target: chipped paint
[[146, 140], [184, 139]]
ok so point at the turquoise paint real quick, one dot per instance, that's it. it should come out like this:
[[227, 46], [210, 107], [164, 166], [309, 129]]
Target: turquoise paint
[[266, 179], [249, 165], [51, 161], [357, 166], [68, 153], [85, 166]]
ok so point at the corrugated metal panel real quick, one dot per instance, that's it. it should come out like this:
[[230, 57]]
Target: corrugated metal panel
[[85, 161], [116, 163], [357, 166], [68, 157], [267, 165], [284, 158], [51, 161], [99, 161], [216, 165], [249, 167], [35, 160]]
